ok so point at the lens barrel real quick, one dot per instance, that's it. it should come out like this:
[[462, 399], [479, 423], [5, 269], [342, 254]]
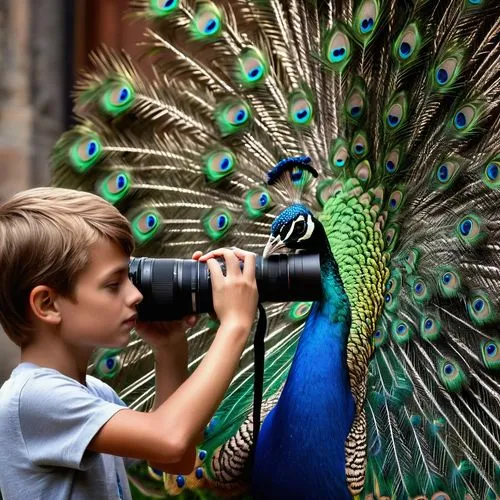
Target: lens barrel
[[173, 288]]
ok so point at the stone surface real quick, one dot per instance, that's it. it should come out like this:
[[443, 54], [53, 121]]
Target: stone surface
[[32, 105]]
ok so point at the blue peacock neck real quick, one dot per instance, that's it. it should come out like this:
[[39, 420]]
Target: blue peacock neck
[[308, 427], [335, 303]]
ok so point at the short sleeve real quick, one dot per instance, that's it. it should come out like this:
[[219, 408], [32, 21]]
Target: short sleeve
[[109, 394], [104, 390], [59, 417]]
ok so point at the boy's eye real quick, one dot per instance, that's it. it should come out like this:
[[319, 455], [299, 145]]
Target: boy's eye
[[113, 286]]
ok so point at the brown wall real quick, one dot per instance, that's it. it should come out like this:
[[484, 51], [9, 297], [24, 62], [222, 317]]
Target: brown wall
[[34, 87]]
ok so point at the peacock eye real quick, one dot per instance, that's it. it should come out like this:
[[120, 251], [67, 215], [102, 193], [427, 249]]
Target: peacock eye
[[300, 228]]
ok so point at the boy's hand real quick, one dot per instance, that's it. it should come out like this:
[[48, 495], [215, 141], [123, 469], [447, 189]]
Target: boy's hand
[[167, 333], [235, 295]]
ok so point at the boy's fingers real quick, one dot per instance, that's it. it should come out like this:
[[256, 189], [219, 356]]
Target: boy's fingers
[[220, 251], [232, 262], [191, 320], [215, 270], [241, 253], [197, 255], [249, 266]]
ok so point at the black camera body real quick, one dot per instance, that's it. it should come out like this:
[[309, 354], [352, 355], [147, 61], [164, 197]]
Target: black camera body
[[174, 288]]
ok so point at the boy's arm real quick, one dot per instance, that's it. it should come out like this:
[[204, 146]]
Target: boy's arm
[[165, 435], [169, 344], [171, 371]]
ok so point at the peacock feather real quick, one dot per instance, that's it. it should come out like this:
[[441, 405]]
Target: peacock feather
[[366, 132]]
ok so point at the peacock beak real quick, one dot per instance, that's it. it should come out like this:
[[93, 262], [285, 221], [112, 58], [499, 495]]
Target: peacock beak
[[273, 246]]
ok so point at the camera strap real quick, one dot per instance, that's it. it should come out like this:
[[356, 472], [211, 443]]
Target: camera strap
[[258, 382]]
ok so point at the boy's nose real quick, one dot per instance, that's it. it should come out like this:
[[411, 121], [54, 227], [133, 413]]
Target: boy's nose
[[135, 295], [138, 297]]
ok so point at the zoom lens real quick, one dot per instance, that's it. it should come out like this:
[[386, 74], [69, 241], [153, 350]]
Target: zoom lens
[[173, 288]]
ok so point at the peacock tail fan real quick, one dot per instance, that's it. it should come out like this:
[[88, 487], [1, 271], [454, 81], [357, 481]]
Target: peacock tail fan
[[396, 104]]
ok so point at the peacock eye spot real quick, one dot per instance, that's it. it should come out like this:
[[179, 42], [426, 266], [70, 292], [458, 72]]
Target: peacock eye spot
[[263, 199], [120, 181], [240, 116], [460, 120], [180, 481], [211, 25], [202, 454], [151, 220], [465, 227], [388, 297], [443, 173], [428, 324], [405, 48], [224, 164], [124, 93], [393, 120], [110, 363], [367, 25], [419, 287], [221, 221], [401, 328], [442, 76], [390, 166], [302, 114], [338, 54], [478, 305], [377, 334], [446, 278], [91, 148], [492, 171], [449, 368], [168, 3], [491, 349]]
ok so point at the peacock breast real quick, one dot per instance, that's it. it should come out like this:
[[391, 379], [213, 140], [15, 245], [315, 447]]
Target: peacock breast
[[300, 453]]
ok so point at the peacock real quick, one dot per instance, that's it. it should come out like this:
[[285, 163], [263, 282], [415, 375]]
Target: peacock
[[365, 131]]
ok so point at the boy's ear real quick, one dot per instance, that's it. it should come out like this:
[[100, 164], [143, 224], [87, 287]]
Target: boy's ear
[[43, 304]]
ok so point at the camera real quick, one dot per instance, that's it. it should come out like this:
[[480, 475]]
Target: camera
[[174, 288]]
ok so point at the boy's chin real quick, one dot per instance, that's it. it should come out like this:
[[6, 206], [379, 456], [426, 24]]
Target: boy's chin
[[121, 339]]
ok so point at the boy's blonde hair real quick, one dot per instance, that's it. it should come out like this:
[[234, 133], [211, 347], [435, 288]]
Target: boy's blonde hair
[[45, 238]]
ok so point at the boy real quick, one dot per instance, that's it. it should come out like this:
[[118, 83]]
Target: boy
[[64, 290]]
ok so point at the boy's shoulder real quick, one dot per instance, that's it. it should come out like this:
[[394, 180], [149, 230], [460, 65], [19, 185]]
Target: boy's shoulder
[[30, 382]]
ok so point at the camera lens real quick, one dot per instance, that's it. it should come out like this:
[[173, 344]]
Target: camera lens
[[173, 288]]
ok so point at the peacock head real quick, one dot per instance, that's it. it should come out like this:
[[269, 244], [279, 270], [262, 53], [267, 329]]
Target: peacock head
[[295, 228]]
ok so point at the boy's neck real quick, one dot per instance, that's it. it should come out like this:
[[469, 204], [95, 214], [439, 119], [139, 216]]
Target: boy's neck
[[69, 360]]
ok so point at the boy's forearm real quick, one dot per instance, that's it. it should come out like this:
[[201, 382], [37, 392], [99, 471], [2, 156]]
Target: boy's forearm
[[170, 369], [170, 372], [191, 406]]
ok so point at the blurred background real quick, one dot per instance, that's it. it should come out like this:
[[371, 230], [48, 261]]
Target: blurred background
[[43, 47]]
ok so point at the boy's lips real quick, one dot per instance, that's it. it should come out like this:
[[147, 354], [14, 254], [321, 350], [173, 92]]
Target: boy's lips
[[131, 321]]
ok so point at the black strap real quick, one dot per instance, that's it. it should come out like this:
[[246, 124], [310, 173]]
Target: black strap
[[258, 383]]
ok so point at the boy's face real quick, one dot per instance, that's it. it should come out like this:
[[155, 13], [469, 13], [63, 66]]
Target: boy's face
[[105, 301]]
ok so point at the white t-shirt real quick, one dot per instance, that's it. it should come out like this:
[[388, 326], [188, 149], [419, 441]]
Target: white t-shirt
[[47, 421]]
